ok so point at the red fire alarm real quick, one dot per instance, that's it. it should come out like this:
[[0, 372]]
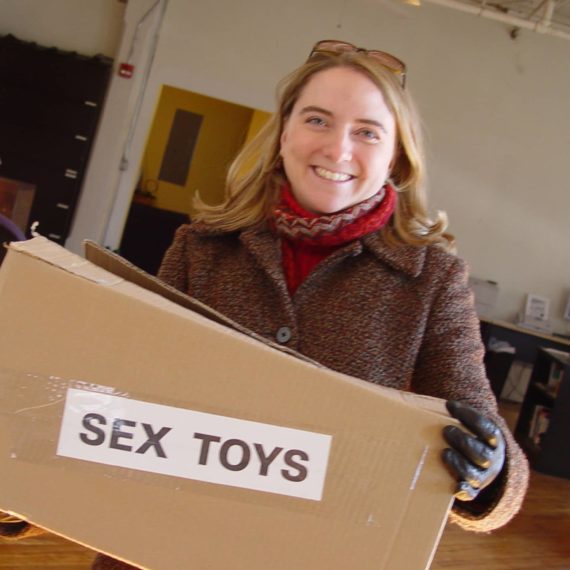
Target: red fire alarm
[[126, 70]]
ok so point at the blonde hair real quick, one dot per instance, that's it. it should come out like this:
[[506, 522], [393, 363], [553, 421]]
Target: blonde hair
[[256, 176]]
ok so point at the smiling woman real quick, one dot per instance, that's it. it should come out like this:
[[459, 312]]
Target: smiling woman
[[324, 243]]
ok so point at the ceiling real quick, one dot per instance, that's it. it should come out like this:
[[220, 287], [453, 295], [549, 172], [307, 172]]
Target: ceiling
[[543, 16]]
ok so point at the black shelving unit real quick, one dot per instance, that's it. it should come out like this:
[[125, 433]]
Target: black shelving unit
[[50, 104], [548, 452]]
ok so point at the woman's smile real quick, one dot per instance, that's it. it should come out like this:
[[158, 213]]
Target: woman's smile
[[332, 175]]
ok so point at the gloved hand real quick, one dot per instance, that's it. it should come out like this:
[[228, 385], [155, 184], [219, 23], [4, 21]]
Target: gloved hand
[[475, 461]]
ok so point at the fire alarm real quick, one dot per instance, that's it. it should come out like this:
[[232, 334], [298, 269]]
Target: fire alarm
[[126, 70]]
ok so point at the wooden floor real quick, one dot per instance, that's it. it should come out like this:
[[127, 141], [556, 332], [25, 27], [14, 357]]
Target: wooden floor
[[538, 538]]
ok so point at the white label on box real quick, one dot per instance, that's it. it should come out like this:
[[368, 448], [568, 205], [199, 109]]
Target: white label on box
[[183, 443]]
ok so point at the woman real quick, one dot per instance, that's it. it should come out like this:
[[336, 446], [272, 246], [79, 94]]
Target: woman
[[324, 244]]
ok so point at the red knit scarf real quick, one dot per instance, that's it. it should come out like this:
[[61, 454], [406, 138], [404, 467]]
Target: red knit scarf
[[308, 238]]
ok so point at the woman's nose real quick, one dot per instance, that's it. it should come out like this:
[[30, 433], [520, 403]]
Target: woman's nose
[[339, 147]]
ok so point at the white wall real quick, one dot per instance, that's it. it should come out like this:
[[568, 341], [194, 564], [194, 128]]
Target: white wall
[[495, 113], [88, 27]]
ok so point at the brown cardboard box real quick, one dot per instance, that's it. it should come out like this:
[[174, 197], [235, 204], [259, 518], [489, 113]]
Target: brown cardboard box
[[161, 436]]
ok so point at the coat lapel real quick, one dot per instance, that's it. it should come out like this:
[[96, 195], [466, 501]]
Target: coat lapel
[[265, 249], [408, 259]]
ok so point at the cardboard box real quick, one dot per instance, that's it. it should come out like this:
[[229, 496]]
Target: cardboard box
[[162, 436]]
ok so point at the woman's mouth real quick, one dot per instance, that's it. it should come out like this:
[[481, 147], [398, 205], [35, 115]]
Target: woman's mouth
[[331, 175]]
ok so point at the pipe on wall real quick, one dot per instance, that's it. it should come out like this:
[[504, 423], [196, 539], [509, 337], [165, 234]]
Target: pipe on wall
[[541, 27]]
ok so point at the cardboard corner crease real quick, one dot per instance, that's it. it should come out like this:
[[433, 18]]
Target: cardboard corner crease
[[167, 438]]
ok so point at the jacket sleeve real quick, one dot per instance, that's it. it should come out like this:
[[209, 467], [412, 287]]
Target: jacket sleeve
[[450, 366], [174, 267]]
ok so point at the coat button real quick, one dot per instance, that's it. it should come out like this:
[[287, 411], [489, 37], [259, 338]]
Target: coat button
[[283, 335]]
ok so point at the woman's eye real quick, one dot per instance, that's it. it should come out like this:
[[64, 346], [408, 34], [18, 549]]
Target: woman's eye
[[316, 121], [369, 135]]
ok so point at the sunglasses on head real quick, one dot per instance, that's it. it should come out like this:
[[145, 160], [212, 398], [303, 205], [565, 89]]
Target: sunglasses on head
[[390, 62]]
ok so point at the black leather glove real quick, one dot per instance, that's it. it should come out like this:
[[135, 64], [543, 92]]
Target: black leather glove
[[477, 459]]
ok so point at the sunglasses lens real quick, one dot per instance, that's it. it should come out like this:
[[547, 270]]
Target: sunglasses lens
[[389, 61]]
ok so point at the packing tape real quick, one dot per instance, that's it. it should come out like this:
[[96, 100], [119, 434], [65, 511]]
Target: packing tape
[[72, 424], [31, 408]]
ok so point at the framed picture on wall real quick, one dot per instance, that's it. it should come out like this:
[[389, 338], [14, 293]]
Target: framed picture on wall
[[537, 307]]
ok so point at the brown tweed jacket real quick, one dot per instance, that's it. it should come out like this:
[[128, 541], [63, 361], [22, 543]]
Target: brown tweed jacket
[[397, 316]]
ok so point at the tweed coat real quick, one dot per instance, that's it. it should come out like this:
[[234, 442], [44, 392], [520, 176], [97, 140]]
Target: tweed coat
[[397, 316]]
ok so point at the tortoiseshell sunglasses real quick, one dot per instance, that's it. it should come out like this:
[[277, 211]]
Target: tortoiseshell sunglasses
[[390, 62]]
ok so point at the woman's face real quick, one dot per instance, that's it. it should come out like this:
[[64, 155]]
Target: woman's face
[[338, 143]]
